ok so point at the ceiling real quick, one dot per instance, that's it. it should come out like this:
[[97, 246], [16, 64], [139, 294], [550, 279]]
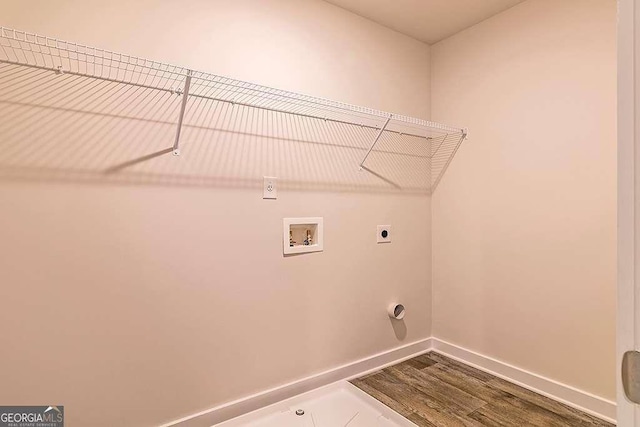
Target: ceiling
[[426, 20]]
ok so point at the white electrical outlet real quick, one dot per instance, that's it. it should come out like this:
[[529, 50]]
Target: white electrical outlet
[[270, 190], [384, 234]]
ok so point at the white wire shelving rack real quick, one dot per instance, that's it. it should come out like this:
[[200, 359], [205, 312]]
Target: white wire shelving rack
[[45, 81]]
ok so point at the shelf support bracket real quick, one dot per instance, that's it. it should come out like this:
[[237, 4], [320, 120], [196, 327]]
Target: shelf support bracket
[[375, 141], [185, 97]]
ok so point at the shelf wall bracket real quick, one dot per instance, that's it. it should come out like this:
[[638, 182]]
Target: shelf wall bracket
[[375, 141], [185, 97]]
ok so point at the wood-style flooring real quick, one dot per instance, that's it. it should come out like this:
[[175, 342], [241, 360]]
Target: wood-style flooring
[[433, 390]]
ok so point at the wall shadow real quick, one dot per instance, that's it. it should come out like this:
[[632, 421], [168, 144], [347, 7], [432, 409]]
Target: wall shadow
[[399, 329]]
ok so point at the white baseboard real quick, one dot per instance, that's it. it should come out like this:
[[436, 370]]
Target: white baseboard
[[349, 371], [582, 400]]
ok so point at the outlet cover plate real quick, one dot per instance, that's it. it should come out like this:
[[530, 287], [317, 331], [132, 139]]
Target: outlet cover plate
[[384, 234], [270, 188]]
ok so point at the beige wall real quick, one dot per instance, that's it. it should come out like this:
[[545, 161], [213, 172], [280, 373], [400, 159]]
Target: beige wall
[[146, 298], [133, 305], [525, 219]]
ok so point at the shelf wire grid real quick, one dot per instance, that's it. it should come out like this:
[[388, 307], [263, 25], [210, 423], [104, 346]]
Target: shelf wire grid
[[115, 115]]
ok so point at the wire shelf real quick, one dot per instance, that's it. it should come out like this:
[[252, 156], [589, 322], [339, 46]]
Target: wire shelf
[[120, 114]]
